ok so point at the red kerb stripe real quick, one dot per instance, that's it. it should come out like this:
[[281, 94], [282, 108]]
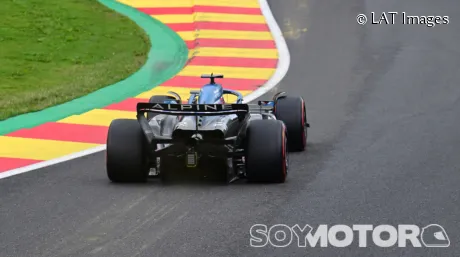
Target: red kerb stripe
[[233, 62], [200, 8], [128, 104], [166, 10], [14, 163], [230, 83], [225, 9], [233, 43], [65, 132], [218, 26]]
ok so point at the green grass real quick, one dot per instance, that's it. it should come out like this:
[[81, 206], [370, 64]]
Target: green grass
[[52, 51]]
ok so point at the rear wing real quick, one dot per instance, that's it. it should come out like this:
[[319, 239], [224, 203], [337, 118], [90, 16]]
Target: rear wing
[[241, 110], [193, 109]]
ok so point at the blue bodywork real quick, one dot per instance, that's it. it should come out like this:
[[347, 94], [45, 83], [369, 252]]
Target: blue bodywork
[[212, 94], [267, 103], [170, 102]]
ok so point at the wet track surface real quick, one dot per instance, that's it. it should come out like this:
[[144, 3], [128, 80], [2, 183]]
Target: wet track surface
[[384, 103]]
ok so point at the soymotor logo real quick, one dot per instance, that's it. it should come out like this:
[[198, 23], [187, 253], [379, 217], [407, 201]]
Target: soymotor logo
[[281, 235]]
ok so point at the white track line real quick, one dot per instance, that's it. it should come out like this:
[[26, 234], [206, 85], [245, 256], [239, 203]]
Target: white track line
[[284, 60]]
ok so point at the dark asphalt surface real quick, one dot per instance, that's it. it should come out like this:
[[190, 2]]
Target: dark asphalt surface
[[384, 104]]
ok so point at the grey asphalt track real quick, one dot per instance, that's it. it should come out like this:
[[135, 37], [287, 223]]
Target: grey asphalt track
[[384, 104]]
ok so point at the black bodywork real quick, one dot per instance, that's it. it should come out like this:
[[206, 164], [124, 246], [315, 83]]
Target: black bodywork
[[199, 139]]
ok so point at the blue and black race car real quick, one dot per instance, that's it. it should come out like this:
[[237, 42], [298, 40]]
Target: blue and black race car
[[207, 137]]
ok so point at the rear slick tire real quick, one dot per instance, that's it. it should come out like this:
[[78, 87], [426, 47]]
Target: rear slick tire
[[266, 152], [291, 110], [126, 158]]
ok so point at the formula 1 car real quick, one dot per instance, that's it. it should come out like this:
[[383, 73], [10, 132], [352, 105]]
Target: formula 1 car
[[208, 137]]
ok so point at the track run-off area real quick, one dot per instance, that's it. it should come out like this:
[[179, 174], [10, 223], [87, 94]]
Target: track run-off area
[[222, 37]]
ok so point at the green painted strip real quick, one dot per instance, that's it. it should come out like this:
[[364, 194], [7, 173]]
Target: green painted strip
[[168, 54]]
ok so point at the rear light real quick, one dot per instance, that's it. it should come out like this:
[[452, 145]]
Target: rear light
[[191, 159]]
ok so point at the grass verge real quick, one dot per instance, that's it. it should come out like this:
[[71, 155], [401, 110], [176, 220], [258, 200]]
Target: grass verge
[[56, 50]]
